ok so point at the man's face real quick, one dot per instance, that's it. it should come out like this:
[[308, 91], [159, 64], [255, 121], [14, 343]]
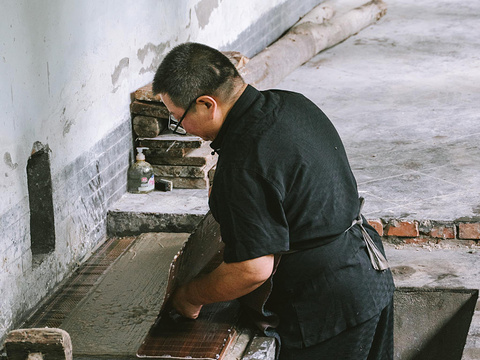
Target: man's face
[[197, 119]]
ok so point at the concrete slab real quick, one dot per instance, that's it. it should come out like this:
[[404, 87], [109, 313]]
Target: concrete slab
[[404, 97], [179, 210], [434, 266], [437, 266], [432, 324]]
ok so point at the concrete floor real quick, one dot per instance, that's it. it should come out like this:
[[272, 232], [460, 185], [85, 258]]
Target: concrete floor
[[404, 94]]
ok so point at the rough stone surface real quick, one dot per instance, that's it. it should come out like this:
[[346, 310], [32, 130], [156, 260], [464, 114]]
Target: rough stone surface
[[189, 183], [147, 126], [182, 171], [159, 155], [260, 348], [54, 344], [154, 109], [239, 344], [172, 141], [145, 93], [196, 157]]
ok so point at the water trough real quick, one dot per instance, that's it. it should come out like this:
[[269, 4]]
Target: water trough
[[432, 323]]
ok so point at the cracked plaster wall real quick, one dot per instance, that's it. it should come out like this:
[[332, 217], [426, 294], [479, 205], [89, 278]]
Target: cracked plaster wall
[[67, 69]]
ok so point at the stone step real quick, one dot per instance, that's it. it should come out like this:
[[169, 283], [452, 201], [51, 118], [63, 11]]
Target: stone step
[[155, 109], [188, 183], [185, 157], [178, 210], [170, 141], [189, 171]]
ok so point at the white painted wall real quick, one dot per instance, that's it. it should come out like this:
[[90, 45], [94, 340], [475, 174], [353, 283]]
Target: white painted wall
[[67, 69]]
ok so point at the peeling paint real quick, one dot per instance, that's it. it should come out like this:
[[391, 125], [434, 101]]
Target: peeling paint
[[157, 50], [7, 158], [48, 78], [67, 126], [118, 69], [189, 20], [204, 10]]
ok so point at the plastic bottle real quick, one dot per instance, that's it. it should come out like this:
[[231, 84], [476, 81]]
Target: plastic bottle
[[141, 179]]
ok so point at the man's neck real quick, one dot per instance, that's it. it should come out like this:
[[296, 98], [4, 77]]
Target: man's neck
[[239, 91]]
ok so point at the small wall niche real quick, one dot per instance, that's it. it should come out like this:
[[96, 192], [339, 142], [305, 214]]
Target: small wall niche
[[39, 179]]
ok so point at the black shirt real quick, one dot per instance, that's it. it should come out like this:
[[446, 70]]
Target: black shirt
[[283, 182]]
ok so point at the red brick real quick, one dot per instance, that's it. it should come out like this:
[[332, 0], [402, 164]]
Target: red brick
[[443, 232], [469, 231], [377, 225], [402, 228]]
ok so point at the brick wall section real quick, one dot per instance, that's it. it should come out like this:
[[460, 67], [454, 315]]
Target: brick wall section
[[402, 228], [92, 183], [377, 225], [82, 193], [469, 231], [415, 231]]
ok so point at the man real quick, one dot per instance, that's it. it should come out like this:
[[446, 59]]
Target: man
[[283, 186]]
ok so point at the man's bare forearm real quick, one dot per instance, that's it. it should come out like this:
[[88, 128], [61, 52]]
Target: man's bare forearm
[[230, 281], [227, 282]]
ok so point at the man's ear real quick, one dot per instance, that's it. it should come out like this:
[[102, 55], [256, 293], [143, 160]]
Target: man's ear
[[208, 101]]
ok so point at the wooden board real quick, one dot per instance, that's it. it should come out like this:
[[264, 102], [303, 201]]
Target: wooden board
[[207, 337]]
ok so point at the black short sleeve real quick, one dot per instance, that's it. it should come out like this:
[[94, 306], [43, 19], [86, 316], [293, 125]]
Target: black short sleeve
[[249, 210]]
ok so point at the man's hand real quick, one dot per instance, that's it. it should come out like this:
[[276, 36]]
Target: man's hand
[[183, 306], [227, 282]]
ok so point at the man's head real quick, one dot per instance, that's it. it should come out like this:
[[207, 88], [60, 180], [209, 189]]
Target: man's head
[[198, 81], [190, 70]]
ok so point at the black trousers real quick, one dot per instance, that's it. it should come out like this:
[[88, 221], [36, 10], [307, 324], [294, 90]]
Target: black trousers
[[371, 340]]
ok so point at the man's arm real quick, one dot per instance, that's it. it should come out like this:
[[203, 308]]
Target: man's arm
[[226, 282]]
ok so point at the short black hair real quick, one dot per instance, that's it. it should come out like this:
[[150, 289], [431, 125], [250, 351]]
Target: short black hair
[[190, 70]]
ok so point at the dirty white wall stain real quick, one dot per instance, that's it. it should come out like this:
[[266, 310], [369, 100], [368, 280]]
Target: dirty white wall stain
[[204, 10]]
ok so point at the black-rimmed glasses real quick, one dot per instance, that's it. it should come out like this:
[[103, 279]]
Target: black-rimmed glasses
[[175, 125]]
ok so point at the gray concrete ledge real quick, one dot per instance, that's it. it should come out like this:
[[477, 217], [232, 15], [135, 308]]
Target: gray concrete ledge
[[178, 210]]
